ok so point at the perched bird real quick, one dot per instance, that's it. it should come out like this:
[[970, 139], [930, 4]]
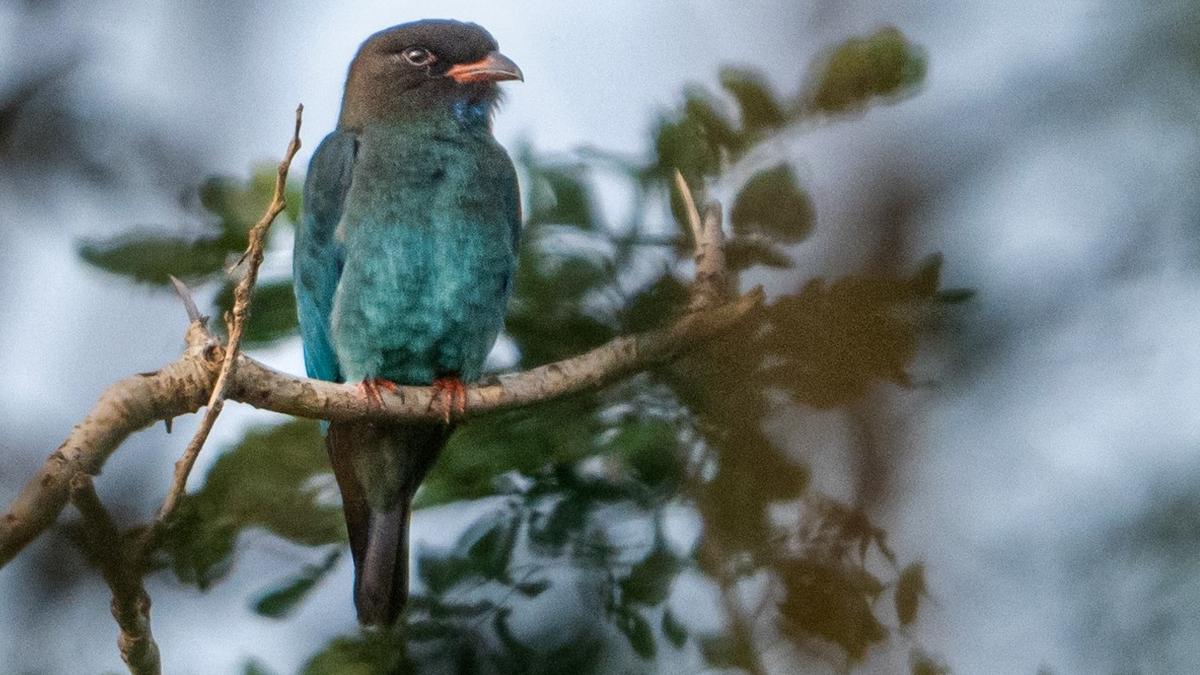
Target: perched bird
[[403, 266]]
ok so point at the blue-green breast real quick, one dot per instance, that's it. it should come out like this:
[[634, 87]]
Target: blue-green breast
[[430, 235]]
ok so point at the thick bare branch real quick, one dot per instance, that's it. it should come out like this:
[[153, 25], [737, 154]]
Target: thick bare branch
[[130, 603], [185, 385], [265, 388], [125, 407]]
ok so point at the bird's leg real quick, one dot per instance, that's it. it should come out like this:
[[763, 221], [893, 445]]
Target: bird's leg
[[449, 394], [369, 388]]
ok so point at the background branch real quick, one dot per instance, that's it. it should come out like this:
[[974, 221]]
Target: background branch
[[130, 603]]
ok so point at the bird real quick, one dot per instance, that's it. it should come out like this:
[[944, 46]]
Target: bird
[[403, 265]]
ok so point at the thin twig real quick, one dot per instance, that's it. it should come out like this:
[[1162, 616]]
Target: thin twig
[[242, 295], [711, 284], [708, 237], [130, 603], [689, 208], [709, 288]]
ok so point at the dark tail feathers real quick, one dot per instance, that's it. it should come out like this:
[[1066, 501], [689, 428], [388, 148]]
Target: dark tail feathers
[[392, 460]]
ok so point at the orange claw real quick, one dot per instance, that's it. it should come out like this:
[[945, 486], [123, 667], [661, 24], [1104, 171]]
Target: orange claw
[[369, 388], [449, 394]]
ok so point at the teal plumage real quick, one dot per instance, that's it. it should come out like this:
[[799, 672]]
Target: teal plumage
[[425, 299], [403, 265]]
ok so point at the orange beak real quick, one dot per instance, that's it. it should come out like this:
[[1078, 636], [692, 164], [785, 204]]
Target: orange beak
[[494, 67]]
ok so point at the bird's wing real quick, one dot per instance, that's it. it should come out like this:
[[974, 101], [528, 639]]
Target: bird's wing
[[514, 210], [318, 257]]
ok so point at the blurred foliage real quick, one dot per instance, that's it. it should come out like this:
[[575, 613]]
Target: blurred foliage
[[854, 72], [773, 206], [925, 664], [280, 601], [561, 485], [232, 207], [271, 480]]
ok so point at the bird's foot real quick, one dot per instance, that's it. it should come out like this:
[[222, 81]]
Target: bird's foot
[[449, 395], [369, 389]]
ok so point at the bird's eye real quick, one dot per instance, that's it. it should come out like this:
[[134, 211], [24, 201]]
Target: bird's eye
[[419, 56]]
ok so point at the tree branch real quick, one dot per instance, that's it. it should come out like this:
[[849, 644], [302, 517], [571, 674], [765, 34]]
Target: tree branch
[[131, 404], [269, 389], [708, 237], [185, 385], [130, 603]]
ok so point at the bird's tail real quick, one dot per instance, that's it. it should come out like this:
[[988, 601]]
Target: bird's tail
[[378, 468]]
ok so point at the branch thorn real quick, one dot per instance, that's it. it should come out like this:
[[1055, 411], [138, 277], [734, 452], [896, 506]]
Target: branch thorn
[[189, 304]]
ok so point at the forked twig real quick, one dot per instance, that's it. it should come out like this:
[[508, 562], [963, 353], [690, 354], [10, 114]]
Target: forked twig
[[242, 295]]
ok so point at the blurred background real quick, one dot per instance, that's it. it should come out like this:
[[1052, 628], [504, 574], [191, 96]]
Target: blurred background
[[959, 438]]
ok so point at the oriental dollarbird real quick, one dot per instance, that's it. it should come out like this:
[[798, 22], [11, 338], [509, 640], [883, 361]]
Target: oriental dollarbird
[[403, 266]]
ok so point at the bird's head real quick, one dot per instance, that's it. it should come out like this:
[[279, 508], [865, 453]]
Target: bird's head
[[430, 67]]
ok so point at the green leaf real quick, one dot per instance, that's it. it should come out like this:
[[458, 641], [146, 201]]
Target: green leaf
[[521, 440], [369, 653], [532, 589], [652, 449], [654, 304], [921, 663], [909, 589], [550, 532], [255, 667], [675, 631], [860, 69], [773, 205], [693, 140], [831, 602], [428, 630], [272, 311], [721, 651], [649, 582], [154, 258], [489, 545], [954, 296], [280, 602], [742, 253], [760, 110], [239, 203], [638, 631], [830, 343], [560, 195], [441, 572], [548, 317], [926, 279], [265, 481]]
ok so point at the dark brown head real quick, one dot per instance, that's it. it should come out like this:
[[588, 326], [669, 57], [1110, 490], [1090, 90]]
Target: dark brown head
[[425, 68]]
